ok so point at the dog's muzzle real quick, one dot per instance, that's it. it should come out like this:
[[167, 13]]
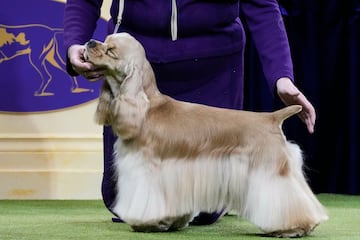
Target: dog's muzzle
[[91, 43]]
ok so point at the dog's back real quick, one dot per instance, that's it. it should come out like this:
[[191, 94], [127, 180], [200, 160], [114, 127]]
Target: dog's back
[[193, 129]]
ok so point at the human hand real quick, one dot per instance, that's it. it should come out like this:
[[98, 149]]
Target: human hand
[[86, 69], [290, 94]]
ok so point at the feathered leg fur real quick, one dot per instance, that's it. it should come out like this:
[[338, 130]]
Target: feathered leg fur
[[162, 196], [283, 205]]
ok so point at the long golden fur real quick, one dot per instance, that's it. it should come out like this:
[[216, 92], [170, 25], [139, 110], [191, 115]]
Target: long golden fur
[[175, 159]]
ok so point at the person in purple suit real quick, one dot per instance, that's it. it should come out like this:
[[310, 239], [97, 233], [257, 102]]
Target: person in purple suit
[[196, 48]]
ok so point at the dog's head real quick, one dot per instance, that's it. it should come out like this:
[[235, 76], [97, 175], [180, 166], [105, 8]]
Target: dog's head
[[118, 54], [128, 73]]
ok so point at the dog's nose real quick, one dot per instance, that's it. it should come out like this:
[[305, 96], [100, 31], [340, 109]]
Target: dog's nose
[[91, 43]]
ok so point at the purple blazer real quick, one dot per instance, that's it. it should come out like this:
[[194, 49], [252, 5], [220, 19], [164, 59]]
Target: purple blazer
[[203, 29]]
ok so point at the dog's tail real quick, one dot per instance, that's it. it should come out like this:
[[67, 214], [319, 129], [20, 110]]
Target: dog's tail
[[286, 112]]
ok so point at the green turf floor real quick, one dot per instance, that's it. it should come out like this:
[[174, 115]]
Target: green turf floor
[[66, 220]]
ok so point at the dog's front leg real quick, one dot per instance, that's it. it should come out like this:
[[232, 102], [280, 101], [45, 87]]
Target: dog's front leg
[[102, 114]]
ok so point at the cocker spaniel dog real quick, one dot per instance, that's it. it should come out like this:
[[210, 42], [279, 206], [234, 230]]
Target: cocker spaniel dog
[[174, 159]]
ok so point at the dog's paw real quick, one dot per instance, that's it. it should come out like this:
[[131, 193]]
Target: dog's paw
[[166, 224], [291, 233], [160, 226]]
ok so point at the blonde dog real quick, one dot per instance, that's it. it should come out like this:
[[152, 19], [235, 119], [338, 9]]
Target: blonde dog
[[174, 159]]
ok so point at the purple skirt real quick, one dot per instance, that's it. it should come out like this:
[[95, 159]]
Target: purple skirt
[[215, 81]]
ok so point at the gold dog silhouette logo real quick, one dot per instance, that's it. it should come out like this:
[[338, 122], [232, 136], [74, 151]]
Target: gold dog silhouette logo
[[33, 60], [17, 40]]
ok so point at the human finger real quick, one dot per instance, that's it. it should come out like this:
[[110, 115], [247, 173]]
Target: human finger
[[308, 114], [76, 58]]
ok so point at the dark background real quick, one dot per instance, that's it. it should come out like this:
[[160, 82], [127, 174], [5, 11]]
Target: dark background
[[324, 37]]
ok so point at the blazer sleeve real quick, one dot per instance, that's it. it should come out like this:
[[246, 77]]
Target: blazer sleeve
[[264, 21], [80, 21]]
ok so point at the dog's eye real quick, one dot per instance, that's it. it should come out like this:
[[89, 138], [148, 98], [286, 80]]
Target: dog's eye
[[111, 52]]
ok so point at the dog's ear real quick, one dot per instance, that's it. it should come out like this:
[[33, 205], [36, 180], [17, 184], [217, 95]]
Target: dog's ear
[[102, 114], [133, 82]]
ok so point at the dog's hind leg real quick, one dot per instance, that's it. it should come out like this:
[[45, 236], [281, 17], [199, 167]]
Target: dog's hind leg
[[280, 201]]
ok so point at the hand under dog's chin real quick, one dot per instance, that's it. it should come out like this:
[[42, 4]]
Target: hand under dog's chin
[[85, 54], [87, 57]]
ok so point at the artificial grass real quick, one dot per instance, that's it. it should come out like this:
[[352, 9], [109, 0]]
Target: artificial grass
[[78, 219]]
